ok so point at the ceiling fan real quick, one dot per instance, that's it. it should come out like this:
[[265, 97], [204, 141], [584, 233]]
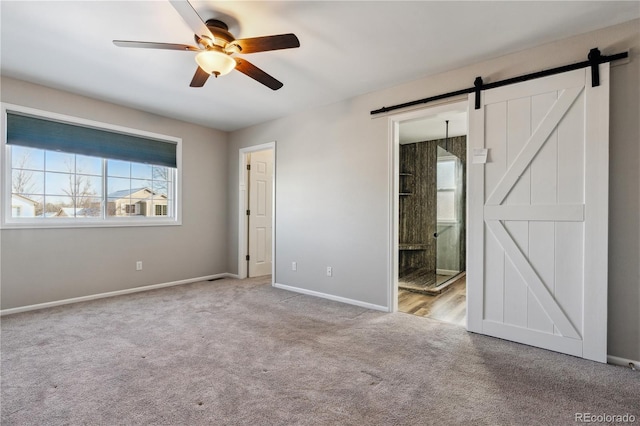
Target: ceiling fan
[[216, 47]]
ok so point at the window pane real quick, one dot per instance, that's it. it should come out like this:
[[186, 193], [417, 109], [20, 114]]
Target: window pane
[[27, 158], [114, 206], [135, 208], [141, 171], [91, 207], [26, 205], [27, 182], [446, 205], [446, 174], [89, 185], [119, 194], [79, 212], [59, 162], [161, 187], [162, 173], [118, 168], [58, 207], [118, 187], [120, 207], [52, 205], [85, 191], [56, 202], [140, 188], [59, 183], [88, 165]]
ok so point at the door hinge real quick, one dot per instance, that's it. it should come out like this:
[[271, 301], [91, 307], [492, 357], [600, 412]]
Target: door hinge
[[248, 212], [247, 257], [248, 166]]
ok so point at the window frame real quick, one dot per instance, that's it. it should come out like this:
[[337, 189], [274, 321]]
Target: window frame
[[9, 222], [454, 189]]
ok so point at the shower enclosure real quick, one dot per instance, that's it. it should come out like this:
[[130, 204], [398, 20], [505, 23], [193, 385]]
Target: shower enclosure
[[432, 219]]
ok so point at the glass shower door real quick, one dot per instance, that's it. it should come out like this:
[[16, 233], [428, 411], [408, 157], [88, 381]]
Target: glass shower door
[[449, 216]]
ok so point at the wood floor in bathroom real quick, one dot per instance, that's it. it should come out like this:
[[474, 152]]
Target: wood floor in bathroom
[[449, 306]]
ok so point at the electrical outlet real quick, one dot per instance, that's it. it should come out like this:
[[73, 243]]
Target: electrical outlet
[[294, 266], [329, 271], [139, 265]]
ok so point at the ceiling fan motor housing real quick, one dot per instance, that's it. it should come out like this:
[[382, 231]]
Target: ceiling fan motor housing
[[222, 36]]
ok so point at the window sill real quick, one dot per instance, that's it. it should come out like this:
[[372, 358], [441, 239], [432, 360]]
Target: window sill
[[88, 223]]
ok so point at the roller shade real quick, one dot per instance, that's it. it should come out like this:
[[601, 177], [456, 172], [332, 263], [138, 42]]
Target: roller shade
[[52, 135]]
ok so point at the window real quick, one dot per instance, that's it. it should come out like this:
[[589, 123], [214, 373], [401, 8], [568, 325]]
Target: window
[[130, 208], [447, 183], [161, 210], [71, 172]]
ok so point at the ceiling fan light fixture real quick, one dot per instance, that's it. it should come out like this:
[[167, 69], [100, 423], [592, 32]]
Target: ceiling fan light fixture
[[215, 62]]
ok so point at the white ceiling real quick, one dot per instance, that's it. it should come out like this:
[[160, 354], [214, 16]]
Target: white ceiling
[[434, 127], [347, 48]]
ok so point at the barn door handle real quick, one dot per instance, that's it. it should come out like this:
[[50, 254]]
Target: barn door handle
[[435, 235]]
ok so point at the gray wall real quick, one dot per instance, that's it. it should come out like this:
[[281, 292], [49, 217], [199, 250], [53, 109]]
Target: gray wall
[[333, 195], [333, 181], [42, 265]]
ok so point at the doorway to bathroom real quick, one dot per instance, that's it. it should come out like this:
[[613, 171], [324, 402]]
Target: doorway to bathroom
[[431, 210]]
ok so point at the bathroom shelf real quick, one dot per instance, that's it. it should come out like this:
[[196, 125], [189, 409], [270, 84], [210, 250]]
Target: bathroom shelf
[[404, 185]]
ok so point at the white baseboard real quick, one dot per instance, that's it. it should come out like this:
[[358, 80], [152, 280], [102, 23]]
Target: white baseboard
[[332, 297], [110, 294], [623, 362]]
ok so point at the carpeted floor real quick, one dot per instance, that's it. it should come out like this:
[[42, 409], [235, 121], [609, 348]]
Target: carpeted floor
[[241, 352]]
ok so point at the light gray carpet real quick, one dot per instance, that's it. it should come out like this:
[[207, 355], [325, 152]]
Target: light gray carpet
[[242, 352]]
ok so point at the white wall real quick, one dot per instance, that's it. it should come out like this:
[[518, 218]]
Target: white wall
[[43, 265], [333, 173]]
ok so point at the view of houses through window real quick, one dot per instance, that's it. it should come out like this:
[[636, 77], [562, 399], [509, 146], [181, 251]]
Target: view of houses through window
[[54, 184]]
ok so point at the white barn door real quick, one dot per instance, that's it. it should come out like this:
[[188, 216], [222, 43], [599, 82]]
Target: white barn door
[[538, 213]]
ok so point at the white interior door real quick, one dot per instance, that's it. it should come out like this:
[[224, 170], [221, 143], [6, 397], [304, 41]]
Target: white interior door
[[538, 213], [261, 212]]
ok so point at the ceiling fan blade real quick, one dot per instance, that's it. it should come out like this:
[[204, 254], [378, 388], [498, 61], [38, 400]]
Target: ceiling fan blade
[[248, 69], [263, 44], [152, 45], [199, 78], [191, 17]]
